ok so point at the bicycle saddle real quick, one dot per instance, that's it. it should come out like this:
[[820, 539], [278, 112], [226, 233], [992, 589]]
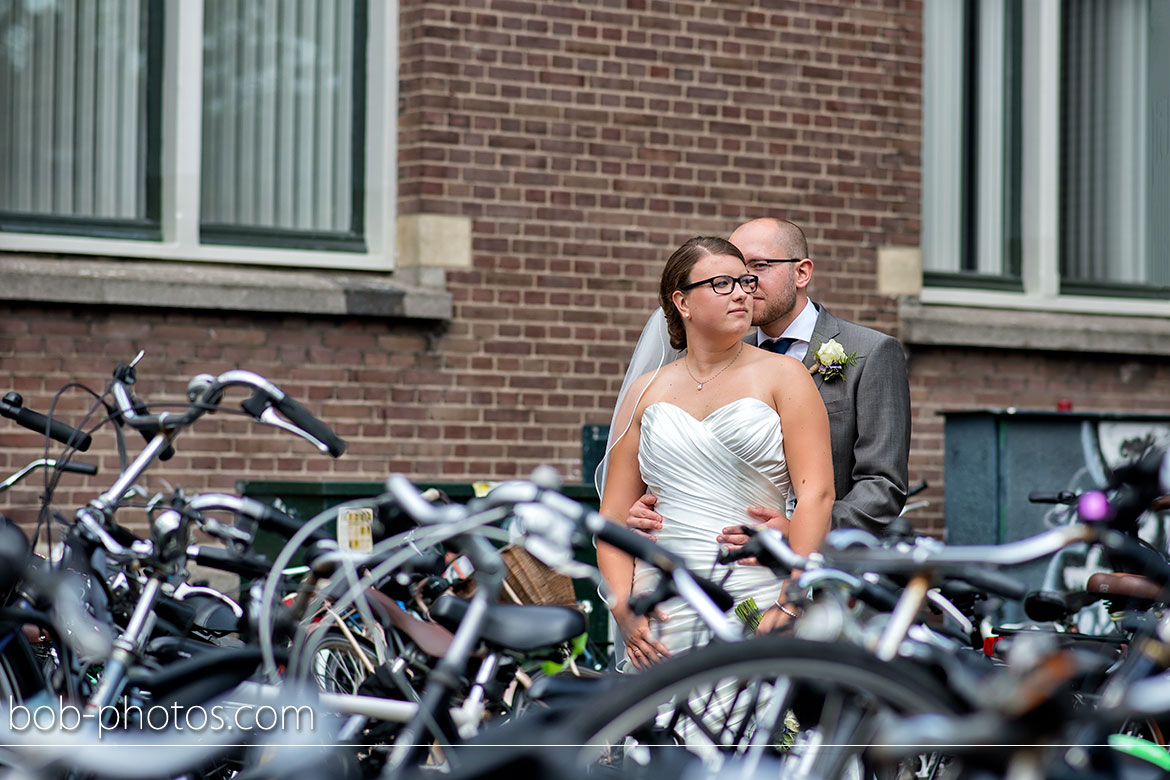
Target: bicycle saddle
[[519, 627], [433, 640]]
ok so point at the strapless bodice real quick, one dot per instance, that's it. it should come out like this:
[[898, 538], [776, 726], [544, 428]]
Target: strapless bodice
[[706, 473]]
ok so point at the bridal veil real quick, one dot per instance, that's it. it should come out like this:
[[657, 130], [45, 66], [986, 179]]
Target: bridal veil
[[652, 352]]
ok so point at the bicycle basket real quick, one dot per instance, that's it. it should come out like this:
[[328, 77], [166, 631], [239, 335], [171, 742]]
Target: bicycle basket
[[531, 582]]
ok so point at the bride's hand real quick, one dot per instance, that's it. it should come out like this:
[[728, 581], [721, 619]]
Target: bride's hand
[[733, 536], [776, 618], [642, 648]]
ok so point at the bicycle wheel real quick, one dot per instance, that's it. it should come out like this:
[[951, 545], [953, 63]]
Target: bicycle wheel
[[814, 704], [21, 676], [337, 666]]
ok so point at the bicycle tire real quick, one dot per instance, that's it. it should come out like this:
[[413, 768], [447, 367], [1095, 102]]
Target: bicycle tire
[[848, 678], [336, 666], [20, 675]]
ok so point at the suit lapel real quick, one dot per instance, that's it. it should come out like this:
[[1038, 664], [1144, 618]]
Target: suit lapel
[[827, 327]]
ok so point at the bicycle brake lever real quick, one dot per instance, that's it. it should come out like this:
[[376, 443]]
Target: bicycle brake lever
[[270, 417], [224, 531], [260, 406]]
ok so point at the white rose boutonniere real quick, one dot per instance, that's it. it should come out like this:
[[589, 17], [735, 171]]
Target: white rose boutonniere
[[831, 360]]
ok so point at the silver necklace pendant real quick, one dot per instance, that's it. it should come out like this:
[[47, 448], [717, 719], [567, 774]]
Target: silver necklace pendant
[[698, 384]]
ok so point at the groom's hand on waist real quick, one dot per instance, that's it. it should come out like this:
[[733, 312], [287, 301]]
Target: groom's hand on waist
[[733, 536], [642, 519]]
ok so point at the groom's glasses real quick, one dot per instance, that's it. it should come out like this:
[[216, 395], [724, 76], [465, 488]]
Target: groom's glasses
[[763, 264], [723, 285]]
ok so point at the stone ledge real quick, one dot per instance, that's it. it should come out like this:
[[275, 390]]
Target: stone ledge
[[186, 285], [970, 326]]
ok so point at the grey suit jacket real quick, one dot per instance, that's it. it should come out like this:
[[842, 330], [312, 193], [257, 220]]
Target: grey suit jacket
[[869, 423]]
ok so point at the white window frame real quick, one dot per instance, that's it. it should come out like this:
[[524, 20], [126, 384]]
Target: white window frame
[[181, 161], [1040, 177]]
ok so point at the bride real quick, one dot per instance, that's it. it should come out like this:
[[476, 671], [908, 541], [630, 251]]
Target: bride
[[725, 427]]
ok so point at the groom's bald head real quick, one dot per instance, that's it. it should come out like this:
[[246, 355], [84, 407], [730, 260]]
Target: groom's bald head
[[779, 237], [781, 292]]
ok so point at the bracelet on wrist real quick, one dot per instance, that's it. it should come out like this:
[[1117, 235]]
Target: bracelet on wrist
[[784, 608]]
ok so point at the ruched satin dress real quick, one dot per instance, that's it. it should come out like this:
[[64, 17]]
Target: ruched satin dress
[[705, 474]]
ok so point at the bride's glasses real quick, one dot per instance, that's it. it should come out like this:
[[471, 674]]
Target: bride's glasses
[[723, 285]]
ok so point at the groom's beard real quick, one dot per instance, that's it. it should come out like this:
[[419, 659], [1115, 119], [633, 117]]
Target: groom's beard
[[775, 307]]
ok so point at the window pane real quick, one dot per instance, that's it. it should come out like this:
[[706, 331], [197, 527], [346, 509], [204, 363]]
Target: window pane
[[971, 214], [994, 116], [1113, 202], [283, 116], [78, 144]]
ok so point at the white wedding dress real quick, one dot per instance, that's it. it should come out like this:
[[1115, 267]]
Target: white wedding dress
[[705, 474]]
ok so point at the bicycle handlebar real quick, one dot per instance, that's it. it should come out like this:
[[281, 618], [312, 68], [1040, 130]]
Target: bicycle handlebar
[[31, 466], [134, 413], [206, 392], [966, 563], [11, 406], [303, 418], [527, 492], [303, 422], [225, 560], [69, 465], [769, 547], [1061, 497], [267, 517], [624, 539], [931, 554], [991, 581], [638, 546], [407, 497]]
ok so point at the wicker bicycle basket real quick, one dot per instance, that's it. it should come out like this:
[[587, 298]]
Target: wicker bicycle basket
[[531, 582]]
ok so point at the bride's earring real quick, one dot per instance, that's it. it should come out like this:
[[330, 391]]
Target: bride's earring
[[687, 316]]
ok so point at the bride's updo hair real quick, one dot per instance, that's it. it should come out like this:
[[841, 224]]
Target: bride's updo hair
[[678, 273]]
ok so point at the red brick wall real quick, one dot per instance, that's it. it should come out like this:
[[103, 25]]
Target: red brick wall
[[362, 377], [588, 140]]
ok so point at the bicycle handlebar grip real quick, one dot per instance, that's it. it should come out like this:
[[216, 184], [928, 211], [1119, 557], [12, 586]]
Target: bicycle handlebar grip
[[882, 599], [642, 603], [629, 542], [269, 518], [76, 468], [753, 549], [11, 408], [224, 560], [304, 419], [1063, 497], [717, 594], [992, 581]]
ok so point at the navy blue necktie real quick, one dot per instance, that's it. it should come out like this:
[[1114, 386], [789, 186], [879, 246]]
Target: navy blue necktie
[[779, 346]]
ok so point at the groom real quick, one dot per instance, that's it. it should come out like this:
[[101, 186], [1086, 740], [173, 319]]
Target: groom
[[868, 402]]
